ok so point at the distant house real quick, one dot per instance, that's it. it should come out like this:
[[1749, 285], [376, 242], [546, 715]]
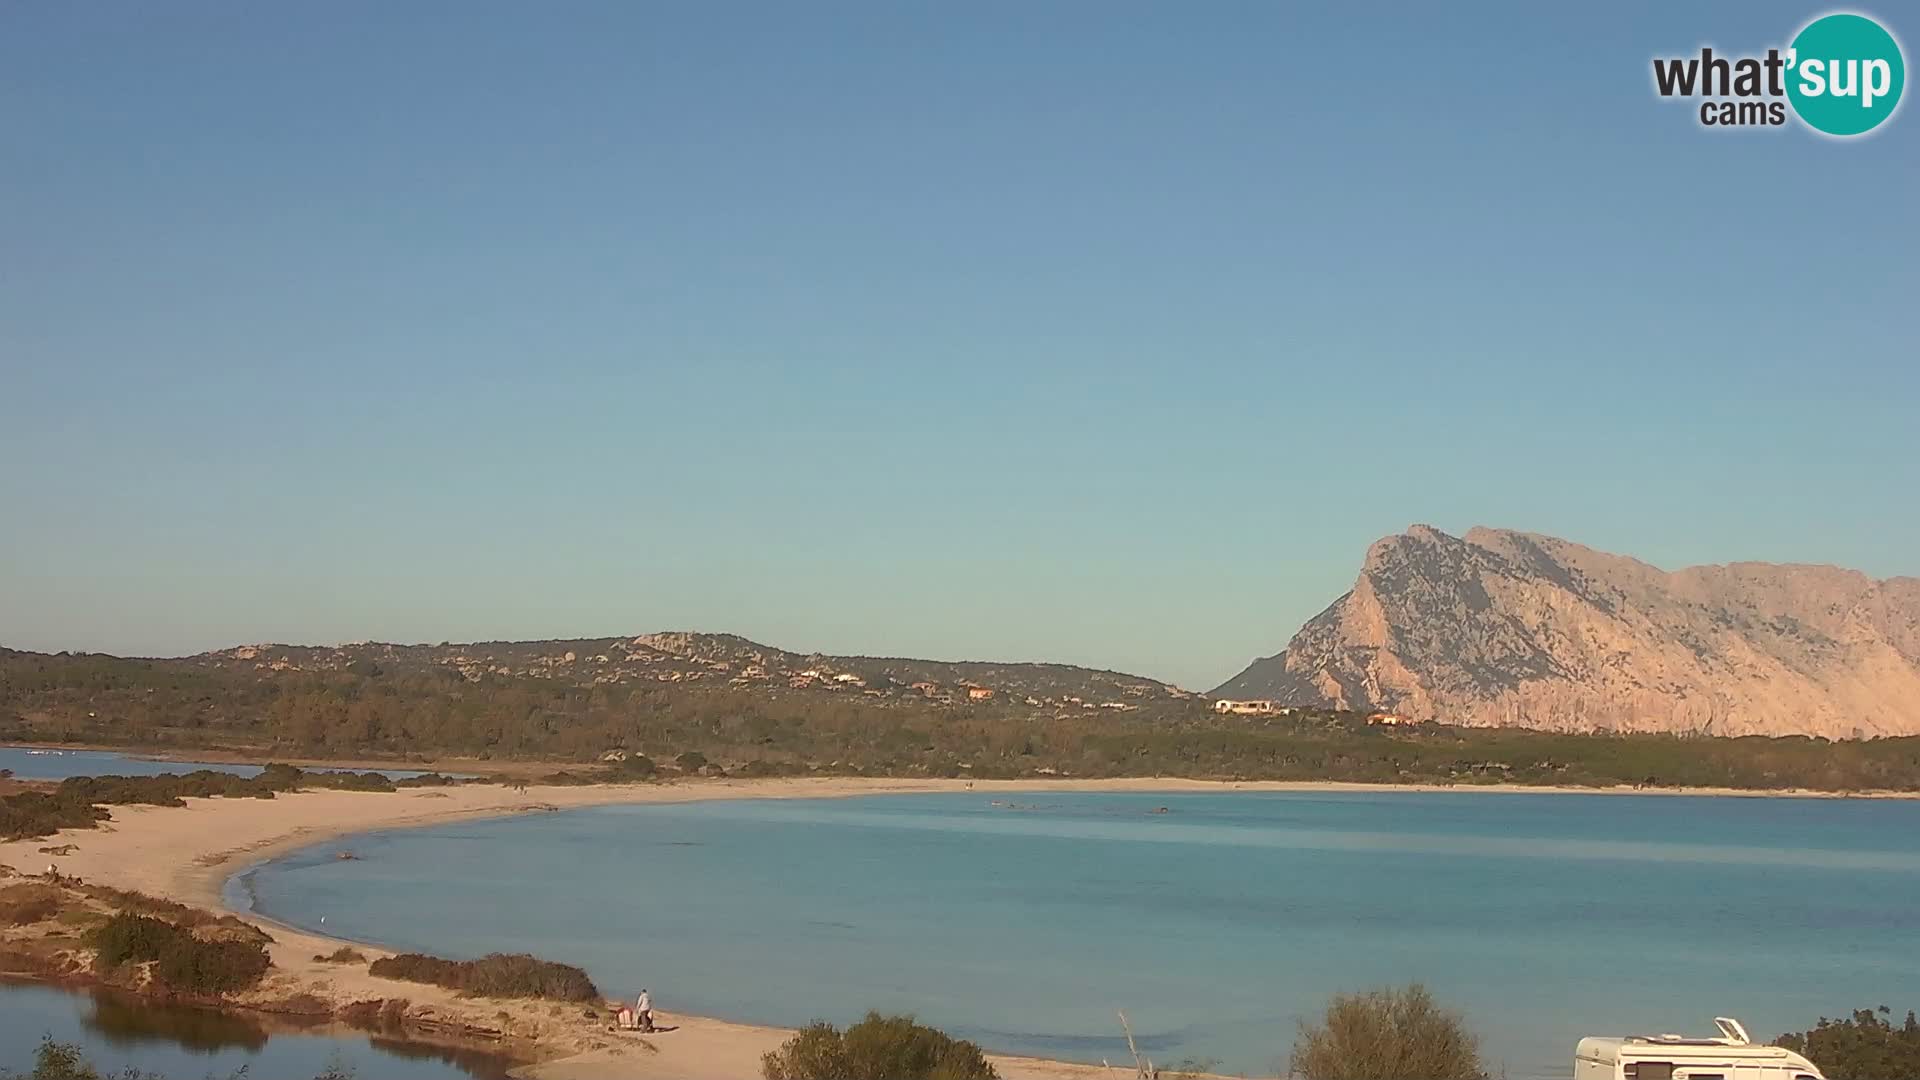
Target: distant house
[[1247, 708], [978, 693], [1387, 719]]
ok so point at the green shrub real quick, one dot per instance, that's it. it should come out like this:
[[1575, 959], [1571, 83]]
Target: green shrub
[[691, 761], [132, 938], [636, 765], [345, 954], [180, 960], [80, 802], [1390, 1034], [211, 967], [432, 779], [877, 1048], [1863, 1047], [505, 975]]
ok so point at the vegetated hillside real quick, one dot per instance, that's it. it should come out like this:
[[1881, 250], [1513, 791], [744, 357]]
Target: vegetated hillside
[[364, 702], [716, 660], [1515, 629]]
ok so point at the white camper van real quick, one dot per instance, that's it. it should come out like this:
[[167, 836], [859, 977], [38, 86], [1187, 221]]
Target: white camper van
[[1730, 1056]]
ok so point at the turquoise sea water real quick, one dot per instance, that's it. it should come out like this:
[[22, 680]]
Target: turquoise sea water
[[1217, 925]]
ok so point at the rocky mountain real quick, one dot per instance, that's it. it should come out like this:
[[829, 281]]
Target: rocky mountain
[[1509, 628]]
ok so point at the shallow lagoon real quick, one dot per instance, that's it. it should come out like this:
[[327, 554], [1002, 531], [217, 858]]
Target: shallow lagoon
[[1026, 921], [183, 1043]]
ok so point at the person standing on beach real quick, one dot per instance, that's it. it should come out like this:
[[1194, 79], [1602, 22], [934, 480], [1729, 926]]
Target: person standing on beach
[[643, 1009]]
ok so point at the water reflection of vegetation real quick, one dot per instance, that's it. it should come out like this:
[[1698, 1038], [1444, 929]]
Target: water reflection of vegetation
[[123, 1022], [480, 1064]]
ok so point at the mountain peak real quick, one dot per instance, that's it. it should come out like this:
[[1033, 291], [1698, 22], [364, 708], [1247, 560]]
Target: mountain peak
[[1503, 627]]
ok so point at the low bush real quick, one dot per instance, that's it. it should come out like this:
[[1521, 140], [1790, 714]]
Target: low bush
[[1391, 1034], [432, 779], [504, 975], [211, 967], [563, 778], [179, 914], [126, 938], [80, 802], [27, 903], [1865, 1046], [345, 954], [877, 1048], [180, 960], [635, 766]]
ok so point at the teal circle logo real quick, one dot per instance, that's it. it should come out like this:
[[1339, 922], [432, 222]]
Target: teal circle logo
[[1845, 74]]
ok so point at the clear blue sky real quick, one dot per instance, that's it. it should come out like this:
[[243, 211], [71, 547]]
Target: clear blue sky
[[1109, 333]]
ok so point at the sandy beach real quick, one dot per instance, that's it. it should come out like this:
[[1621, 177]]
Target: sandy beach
[[187, 855]]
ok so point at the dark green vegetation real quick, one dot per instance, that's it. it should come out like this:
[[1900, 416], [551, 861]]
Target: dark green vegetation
[[1865, 1046], [501, 975], [729, 705], [60, 1061], [877, 1048], [1390, 1034], [181, 959], [81, 802]]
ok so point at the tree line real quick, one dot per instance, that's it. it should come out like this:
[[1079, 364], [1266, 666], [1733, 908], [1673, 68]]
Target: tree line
[[421, 714]]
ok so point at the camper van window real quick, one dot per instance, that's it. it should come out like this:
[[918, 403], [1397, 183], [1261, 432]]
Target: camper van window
[[1650, 1070]]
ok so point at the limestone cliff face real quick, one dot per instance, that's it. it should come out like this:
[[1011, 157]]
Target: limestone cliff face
[[1510, 628]]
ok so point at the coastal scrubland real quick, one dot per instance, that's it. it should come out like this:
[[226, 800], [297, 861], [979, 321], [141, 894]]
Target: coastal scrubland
[[499, 975], [81, 802], [362, 710], [877, 1048]]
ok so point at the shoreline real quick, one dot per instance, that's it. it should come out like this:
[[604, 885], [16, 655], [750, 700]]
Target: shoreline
[[483, 769], [486, 770], [188, 855]]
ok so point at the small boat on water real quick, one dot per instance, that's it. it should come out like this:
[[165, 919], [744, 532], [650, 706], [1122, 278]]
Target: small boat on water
[[46, 753]]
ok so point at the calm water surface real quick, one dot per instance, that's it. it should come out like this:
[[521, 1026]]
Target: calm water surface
[[1217, 925], [63, 764], [119, 1032]]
